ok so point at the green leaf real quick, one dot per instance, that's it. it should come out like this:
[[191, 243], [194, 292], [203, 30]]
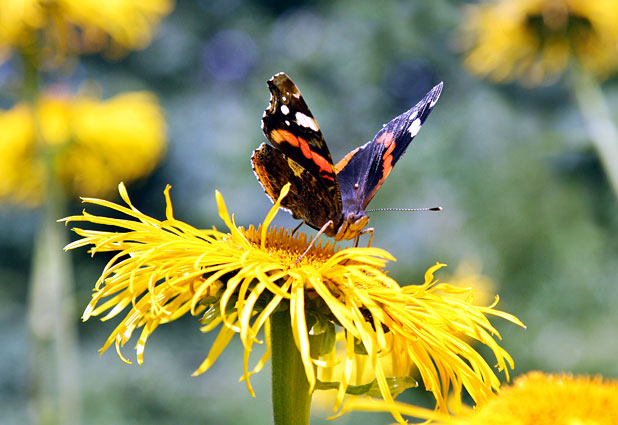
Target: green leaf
[[210, 314], [396, 385]]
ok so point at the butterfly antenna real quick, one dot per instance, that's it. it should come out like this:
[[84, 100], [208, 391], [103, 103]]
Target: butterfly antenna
[[406, 209]]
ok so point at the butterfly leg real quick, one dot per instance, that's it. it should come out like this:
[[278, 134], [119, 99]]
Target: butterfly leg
[[296, 228], [315, 238], [364, 232]]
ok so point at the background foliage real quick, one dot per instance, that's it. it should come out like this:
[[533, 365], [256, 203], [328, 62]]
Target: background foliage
[[522, 191]]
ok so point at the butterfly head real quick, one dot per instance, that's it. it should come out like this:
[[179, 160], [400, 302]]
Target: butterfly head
[[352, 225]]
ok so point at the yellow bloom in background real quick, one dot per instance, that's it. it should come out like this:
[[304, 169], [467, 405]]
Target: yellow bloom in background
[[89, 144], [80, 26], [535, 40], [471, 281], [548, 399], [238, 279]]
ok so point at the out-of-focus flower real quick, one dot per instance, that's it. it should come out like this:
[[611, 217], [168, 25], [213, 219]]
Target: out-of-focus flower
[[472, 282], [79, 26], [87, 143], [548, 399], [534, 40], [165, 269]]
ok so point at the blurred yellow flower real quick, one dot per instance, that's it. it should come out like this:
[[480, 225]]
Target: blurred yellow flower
[[472, 282], [89, 144], [548, 399], [79, 26], [165, 269], [534, 40]]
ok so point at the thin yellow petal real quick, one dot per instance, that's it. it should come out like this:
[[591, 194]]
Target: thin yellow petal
[[272, 213]]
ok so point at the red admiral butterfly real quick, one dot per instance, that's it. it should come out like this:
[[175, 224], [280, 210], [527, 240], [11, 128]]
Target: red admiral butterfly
[[330, 198]]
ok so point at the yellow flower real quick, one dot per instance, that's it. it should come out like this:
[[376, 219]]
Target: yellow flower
[[468, 277], [165, 269], [89, 144], [553, 399], [76, 26], [534, 40]]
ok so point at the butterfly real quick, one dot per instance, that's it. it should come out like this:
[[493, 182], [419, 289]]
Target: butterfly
[[327, 197]]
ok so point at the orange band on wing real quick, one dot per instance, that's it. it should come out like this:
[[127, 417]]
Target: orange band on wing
[[387, 157], [284, 136], [387, 162], [386, 139], [344, 161]]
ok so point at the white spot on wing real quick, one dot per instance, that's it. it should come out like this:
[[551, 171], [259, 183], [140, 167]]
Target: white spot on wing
[[415, 127], [306, 121], [438, 91], [283, 98], [285, 110], [287, 123]]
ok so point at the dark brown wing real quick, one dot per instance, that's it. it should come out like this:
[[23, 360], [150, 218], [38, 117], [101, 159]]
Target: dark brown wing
[[308, 198], [289, 125]]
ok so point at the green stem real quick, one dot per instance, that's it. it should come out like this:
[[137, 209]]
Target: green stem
[[51, 323], [290, 389], [53, 358], [30, 62], [598, 120]]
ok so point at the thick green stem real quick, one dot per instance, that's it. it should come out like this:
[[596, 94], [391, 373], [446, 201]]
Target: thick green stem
[[54, 373], [51, 322], [598, 120], [290, 389]]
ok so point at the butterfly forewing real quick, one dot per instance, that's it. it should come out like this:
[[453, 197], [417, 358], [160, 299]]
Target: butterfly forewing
[[289, 125], [362, 172]]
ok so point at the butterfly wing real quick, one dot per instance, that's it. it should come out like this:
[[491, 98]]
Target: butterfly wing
[[362, 171], [289, 125], [307, 199]]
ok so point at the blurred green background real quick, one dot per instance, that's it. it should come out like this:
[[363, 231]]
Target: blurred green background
[[523, 193]]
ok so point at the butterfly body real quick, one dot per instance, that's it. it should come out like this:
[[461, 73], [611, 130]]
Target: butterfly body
[[330, 198]]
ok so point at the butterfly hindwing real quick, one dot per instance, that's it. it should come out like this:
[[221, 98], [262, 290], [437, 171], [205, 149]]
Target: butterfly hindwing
[[369, 165], [289, 125], [307, 199]]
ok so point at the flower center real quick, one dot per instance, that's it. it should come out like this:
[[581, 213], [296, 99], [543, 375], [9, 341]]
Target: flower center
[[281, 244], [557, 20]]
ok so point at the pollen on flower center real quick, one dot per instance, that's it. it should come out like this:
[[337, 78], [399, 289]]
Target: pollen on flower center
[[281, 244]]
